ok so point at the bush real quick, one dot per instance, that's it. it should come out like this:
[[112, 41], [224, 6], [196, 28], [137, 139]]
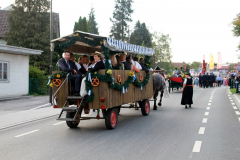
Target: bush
[[233, 90], [41, 78]]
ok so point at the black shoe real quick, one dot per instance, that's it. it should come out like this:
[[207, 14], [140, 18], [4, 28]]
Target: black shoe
[[189, 106], [185, 107]]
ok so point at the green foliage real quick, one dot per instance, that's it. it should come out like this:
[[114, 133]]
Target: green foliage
[[195, 65], [236, 27], [40, 78], [81, 25], [29, 27], [121, 15], [92, 24], [141, 35], [231, 67], [163, 56]]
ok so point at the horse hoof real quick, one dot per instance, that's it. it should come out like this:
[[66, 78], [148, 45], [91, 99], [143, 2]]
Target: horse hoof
[[155, 108], [159, 104]]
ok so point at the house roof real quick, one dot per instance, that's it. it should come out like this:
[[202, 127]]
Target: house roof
[[177, 64], [4, 25], [19, 50]]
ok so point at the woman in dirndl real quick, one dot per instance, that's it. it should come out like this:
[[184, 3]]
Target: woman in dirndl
[[187, 92]]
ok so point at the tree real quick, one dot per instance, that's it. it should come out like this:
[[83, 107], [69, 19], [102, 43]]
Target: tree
[[231, 67], [29, 27], [162, 49], [196, 65], [92, 24], [121, 15], [141, 35], [81, 25], [236, 27]]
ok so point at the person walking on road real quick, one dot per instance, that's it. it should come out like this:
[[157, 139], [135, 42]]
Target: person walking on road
[[187, 91], [204, 80], [237, 80], [219, 79]]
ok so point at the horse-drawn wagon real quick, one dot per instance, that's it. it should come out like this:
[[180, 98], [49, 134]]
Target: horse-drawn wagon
[[175, 82], [106, 92]]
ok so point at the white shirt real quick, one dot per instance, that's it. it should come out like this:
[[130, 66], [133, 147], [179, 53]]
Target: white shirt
[[137, 65], [85, 66], [77, 65]]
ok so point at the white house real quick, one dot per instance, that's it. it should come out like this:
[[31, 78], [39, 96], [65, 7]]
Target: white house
[[14, 70]]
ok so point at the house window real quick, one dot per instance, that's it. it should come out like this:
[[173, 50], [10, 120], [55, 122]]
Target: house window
[[4, 71]]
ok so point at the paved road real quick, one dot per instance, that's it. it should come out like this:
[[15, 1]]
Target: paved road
[[24, 103], [209, 130]]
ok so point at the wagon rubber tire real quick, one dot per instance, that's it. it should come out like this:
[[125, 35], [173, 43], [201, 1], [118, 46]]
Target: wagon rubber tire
[[71, 124], [111, 118], [145, 107]]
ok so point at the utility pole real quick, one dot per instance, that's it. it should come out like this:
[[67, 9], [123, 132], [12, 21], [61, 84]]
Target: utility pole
[[51, 52]]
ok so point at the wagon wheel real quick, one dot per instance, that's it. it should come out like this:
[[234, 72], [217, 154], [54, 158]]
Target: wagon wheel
[[145, 107], [111, 118], [72, 124]]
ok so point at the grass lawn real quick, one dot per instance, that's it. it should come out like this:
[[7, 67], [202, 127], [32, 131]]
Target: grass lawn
[[233, 90]]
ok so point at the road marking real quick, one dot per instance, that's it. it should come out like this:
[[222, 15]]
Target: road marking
[[233, 104], [208, 108], [228, 95], [231, 100], [234, 107], [210, 100], [26, 133], [237, 112], [204, 120], [206, 113], [209, 104], [239, 119], [197, 146], [210, 97], [201, 130], [59, 123]]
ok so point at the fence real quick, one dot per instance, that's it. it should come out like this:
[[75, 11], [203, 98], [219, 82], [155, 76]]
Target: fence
[[38, 87]]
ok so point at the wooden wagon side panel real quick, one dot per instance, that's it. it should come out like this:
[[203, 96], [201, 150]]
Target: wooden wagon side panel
[[114, 97], [61, 95]]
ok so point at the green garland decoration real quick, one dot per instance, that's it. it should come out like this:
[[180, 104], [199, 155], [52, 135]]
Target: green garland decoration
[[58, 75], [59, 47], [108, 78], [147, 61]]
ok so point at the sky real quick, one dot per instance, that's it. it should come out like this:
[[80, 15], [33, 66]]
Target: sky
[[196, 27]]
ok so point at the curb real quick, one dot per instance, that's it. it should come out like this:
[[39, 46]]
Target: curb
[[43, 106], [28, 121]]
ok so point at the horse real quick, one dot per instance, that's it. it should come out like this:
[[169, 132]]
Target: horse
[[159, 86]]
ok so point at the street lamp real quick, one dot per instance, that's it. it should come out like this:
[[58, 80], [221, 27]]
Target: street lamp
[[51, 52]]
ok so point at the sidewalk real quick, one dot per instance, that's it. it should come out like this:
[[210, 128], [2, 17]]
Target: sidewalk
[[21, 117], [236, 98], [27, 109]]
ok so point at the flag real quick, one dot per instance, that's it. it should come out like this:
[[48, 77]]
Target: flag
[[211, 62], [219, 65]]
